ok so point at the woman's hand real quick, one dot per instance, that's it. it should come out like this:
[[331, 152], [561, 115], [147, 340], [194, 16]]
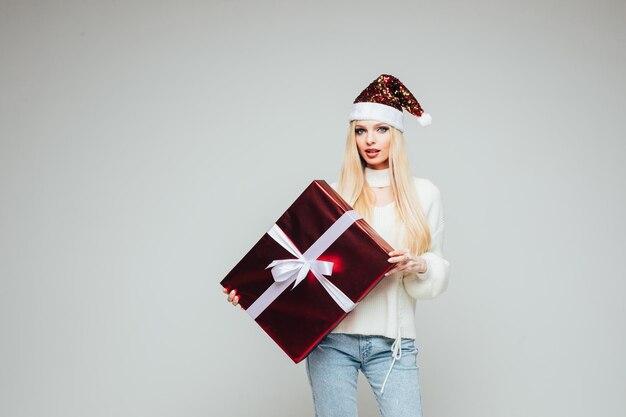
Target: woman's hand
[[232, 298], [406, 262]]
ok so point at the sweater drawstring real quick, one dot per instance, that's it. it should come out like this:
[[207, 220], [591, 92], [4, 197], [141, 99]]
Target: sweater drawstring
[[396, 347], [396, 351]]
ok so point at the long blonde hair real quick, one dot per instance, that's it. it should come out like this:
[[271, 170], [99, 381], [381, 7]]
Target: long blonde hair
[[357, 192]]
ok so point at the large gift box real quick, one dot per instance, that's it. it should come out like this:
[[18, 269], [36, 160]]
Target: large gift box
[[309, 270]]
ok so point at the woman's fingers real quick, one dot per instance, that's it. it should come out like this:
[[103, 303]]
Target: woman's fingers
[[400, 258], [391, 271], [398, 268], [403, 263], [232, 298], [231, 295], [403, 255]]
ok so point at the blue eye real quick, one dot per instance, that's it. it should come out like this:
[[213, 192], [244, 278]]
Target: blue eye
[[383, 129], [359, 131]]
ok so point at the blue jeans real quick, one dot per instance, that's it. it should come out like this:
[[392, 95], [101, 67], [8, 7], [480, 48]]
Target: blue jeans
[[333, 368]]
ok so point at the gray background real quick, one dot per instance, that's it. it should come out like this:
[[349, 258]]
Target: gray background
[[145, 146]]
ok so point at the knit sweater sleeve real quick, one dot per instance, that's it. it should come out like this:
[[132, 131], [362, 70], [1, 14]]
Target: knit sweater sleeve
[[435, 280]]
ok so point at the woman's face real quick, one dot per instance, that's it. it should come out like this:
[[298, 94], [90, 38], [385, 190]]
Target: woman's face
[[372, 140]]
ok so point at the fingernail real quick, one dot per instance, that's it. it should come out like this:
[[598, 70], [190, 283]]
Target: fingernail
[[386, 273]]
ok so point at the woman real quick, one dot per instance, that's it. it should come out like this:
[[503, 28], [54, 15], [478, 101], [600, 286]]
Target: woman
[[378, 336]]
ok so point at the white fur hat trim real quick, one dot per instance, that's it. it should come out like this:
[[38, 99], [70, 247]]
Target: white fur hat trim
[[378, 112]]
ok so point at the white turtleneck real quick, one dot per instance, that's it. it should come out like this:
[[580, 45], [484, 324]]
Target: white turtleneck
[[389, 309], [377, 177]]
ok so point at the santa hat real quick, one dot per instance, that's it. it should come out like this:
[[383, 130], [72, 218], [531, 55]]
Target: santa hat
[[383, 101]]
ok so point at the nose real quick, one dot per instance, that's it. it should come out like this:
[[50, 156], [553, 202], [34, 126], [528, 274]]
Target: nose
[[370, 138]]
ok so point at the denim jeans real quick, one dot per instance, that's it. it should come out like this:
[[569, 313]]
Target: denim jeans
[[333, 368]]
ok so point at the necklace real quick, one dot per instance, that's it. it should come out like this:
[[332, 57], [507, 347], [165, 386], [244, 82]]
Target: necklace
[[378, 178]]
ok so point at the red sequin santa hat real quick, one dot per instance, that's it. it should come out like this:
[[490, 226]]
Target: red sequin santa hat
[[383, 101]]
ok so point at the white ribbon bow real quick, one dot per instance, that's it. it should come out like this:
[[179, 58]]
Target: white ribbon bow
[[286, 271]]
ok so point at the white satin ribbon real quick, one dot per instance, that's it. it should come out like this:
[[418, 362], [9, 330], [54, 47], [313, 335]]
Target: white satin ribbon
[[287, 271]]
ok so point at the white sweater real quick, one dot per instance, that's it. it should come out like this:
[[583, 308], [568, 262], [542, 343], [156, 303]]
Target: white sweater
[[389, 309]]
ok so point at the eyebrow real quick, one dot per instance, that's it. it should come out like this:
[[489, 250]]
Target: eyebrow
[[376, 125]]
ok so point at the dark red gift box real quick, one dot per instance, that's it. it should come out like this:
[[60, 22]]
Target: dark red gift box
[[331, 255]]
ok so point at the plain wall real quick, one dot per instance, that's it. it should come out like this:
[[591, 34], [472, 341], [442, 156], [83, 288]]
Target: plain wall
[[145, 146]]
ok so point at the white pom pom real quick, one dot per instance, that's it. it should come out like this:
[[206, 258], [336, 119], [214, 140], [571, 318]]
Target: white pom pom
[[425, 119]]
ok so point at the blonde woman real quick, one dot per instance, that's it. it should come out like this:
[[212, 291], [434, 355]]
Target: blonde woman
[[377, 337]]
